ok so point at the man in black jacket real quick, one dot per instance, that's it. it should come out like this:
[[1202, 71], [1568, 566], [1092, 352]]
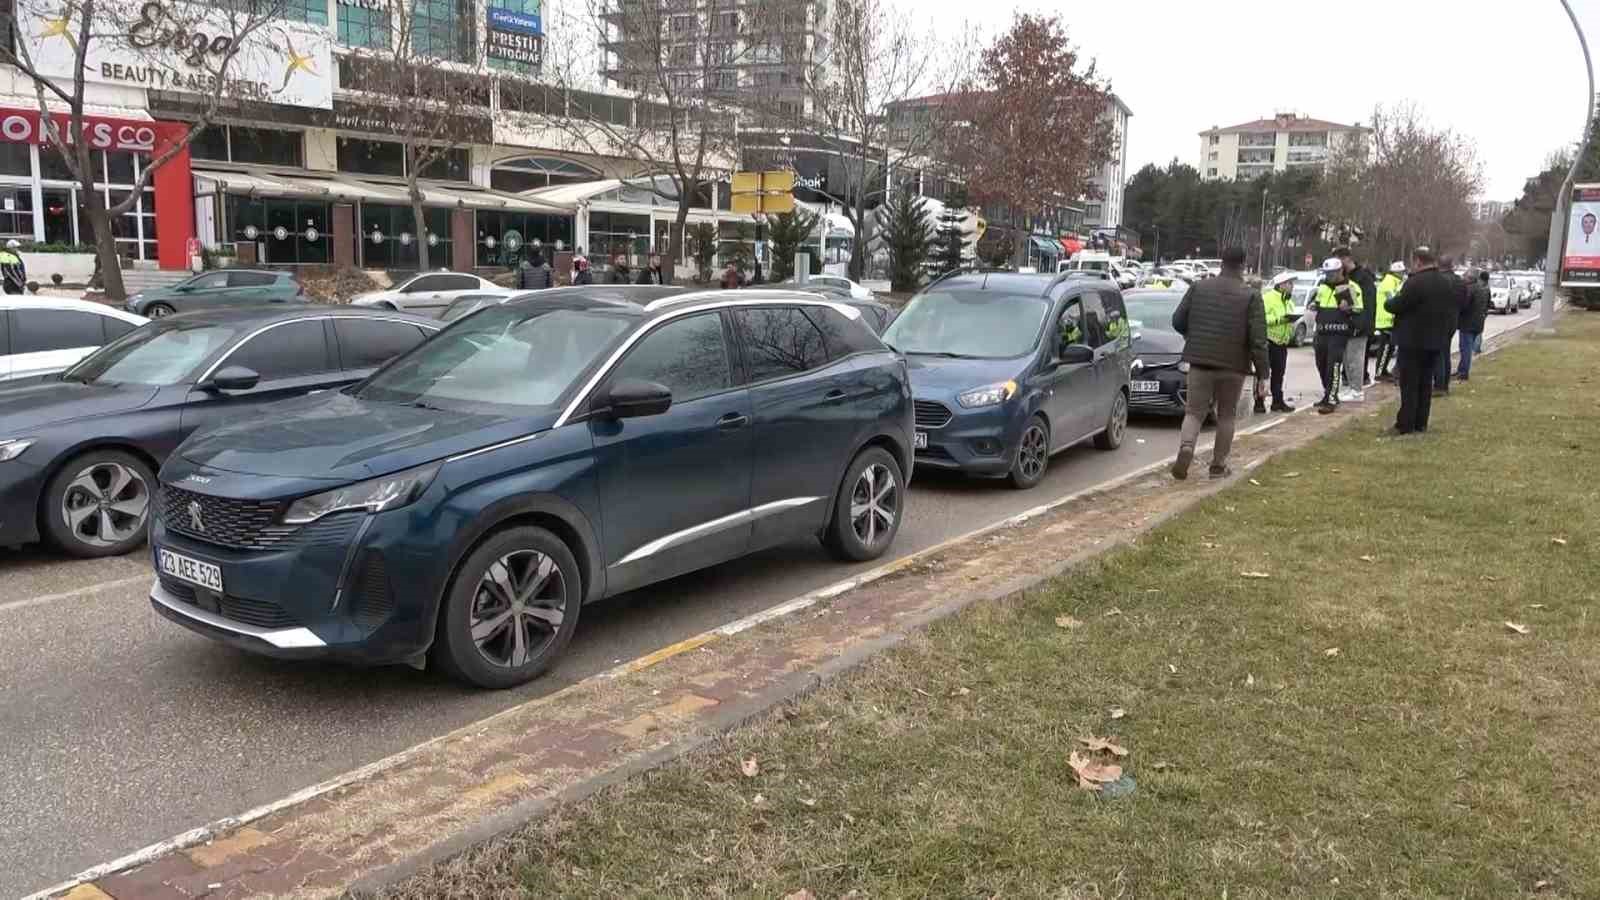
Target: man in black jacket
[[652, 273], [1224, 325], [1441, 366], [1355, 349], [1472, 322], [1426, 312]]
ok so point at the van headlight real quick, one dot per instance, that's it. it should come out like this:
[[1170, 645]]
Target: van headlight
[[373, 495], [993, 395]]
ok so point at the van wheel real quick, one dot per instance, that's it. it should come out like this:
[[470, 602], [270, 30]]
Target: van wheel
[[1116, 425], [1033, 454], [99, 504], [510, 610], [871, 504]]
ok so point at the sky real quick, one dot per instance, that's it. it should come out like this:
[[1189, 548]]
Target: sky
[[1508, 75]]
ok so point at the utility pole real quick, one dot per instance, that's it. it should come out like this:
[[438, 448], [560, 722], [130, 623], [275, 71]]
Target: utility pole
[[1556, 248], [1261, 257]]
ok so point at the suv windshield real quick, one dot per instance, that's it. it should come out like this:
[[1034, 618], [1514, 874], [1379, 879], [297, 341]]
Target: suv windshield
[[976, 324], [159, 353], [502, 359]]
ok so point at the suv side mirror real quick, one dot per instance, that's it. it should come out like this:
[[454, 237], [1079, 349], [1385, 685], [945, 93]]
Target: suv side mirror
[[1075, 354], [232, 378], [630, 398]]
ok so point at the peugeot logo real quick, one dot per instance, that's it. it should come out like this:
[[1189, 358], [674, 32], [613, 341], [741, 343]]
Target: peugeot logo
[[195, 521]]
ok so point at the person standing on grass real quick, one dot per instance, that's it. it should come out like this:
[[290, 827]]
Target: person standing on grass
[[1280, 333], [1338, 302], [1472, 322], [1383, 320], [1426, 312], [1361, 325], [1441, 366], [1224, 325]]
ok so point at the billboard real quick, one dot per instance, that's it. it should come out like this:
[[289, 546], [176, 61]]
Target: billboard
[[516, 37], [1580, 259], [165, 45]]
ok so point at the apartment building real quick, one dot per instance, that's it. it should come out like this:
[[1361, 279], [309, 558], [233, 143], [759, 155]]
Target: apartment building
[[1252, 149], [1105, 211]]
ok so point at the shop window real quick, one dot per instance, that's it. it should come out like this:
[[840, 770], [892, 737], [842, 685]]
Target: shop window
[[16, 211], [363, 27], [529, 172], [505, 238], [305, 226], [312, 12], [371, 157], [389, 236], [119, 167], [52, 167], [454, 165], [444, 28], [58, 208], [268, 146], [15, 159], [210, 143]]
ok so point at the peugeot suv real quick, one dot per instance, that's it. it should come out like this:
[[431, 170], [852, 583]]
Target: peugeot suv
[[463, 503]]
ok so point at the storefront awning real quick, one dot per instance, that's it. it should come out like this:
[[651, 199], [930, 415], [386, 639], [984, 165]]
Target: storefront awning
[[568, 196], [343, 188]]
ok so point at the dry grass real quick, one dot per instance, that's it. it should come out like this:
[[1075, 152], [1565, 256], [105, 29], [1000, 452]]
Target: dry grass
[[1436, 754]]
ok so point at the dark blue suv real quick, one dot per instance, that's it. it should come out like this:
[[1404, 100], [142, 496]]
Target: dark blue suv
[[467, 499], [1008, 369]]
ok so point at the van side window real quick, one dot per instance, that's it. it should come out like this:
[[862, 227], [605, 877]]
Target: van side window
[[1070, 324]]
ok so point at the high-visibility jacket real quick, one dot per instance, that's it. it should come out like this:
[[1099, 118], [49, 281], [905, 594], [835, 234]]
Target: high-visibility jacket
[[1331, 319], [1280, 324], [12, 272], [1388, 287]]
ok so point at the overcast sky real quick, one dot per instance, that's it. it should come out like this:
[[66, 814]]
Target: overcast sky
[[1507, 74]]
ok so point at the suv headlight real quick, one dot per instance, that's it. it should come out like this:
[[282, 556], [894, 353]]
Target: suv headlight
[[373, 495], [993, 395], [12, 449]]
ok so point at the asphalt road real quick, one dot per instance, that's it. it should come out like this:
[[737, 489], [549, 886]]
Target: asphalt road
[[118, 729]]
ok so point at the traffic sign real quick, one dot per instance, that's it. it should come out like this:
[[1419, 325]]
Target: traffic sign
[[763, 192]]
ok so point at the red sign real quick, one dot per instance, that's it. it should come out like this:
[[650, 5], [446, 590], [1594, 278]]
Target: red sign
[[22, 127]]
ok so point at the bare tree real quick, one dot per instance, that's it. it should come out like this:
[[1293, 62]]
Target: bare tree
[[423, 89], [198, 49]]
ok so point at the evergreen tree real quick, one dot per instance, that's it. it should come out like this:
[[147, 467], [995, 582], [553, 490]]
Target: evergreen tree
[[952, 242], [907, 234], [789, 231]]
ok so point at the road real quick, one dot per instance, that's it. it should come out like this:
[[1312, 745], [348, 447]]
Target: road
[[118, 729]]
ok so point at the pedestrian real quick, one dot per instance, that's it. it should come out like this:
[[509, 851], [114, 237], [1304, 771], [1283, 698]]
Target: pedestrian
[[1472, 322], [620, 272], [1280, 333], [1383, 320], [1355, 351], [581, 273], [652, 273], [730, 277], [12, 268], [1426, 312], [1338, 303], [1224, 325], [1441, 366], [539, 273]]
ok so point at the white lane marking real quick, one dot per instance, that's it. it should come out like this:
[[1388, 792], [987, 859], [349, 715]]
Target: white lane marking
[[75, 592]]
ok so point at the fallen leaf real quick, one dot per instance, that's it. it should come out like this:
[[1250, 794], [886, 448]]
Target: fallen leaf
[[1228, 509], [1249, 680], [1092, 773], [1331, 651], [1541, 884], [1099, 743], [849, 818], [802, 894], [1254, 575], [757, 800], [1172, 668], [1559, 542], [1535, 606], [1118, 712], [1113, 611], [1255, 482], [1067, 622], [1161, 764], [961, 692], [922, 692], [1291, 475], [750, 767], [1369, 559], [807, 801], [1208, 545], [1519, 629]]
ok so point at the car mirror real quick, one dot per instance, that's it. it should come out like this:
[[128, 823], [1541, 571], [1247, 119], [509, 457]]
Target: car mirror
[[232, 378], [1075, 354], [630, 398]]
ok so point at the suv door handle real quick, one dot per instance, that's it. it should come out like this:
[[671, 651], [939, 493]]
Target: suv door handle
[[732, 421], [833, 396]]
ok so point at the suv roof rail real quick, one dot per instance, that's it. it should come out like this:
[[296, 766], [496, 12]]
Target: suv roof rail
[[755, 293]]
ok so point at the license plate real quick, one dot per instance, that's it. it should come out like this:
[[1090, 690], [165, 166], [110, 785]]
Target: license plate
[[206, 575], [919, 441], [1147, 387]]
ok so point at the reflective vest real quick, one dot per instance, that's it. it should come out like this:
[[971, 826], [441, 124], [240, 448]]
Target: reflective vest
[[1280, 324], [1325, 299], [1388, 287]]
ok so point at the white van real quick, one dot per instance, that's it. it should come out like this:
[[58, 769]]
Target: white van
[[1086, 260]]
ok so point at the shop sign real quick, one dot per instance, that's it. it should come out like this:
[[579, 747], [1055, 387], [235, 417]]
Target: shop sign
[[516, 37], [377, 118], [21, 126], [1580, 264], [172, 46]]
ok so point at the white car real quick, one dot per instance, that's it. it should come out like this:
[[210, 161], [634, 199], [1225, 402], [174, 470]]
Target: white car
[[857, 292], [47, 334], [426, 293], [1503, 294]]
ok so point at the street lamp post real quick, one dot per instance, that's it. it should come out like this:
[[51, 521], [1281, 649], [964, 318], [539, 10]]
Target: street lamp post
[[1556, 247], [1261, 258]]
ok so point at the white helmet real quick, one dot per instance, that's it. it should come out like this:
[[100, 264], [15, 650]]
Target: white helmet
[[1332, 264], [1281, 277], [13, 244], [1397, 267]]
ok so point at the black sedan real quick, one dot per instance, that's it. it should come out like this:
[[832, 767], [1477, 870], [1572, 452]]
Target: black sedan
[[79, 450], [1159, 377]]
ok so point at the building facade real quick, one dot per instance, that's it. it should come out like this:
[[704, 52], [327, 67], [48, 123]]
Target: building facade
[[1285, 141], [1104, 211]]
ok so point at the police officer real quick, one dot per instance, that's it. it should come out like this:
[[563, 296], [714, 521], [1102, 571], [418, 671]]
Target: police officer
[[1280, 332], [1338, 302], [12, 269], [1383, 321]]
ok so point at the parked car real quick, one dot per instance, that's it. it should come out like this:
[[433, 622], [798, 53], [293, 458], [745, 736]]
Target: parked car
[[79, 451], [635, 294], [464, 502], [1531, 288], [876, 315], [426, 292], [1300, 296], [223, 287], [472, 301], [857, 290], [1158, 376], [41, 335], [1503, 293], [1008, 369]]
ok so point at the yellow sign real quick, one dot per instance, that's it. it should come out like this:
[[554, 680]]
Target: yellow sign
[[763, 192], [981, 226]]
